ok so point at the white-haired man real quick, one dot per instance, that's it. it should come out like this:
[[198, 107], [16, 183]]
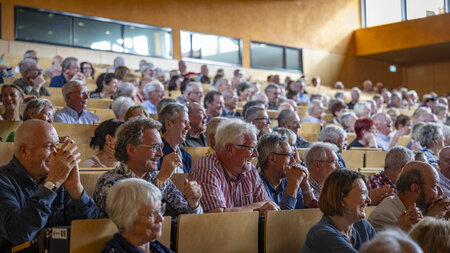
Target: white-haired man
[[290, 120], [32, 81], [154, 91], [315, 112], [229, 181], [356, 94], [76, 95]]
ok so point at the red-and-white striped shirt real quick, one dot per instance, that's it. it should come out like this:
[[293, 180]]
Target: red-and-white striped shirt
[[223, 190]]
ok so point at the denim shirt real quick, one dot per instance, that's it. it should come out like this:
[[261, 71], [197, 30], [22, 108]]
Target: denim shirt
[[27, 207]]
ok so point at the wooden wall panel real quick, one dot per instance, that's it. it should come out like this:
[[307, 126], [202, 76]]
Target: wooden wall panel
[[429, 77]]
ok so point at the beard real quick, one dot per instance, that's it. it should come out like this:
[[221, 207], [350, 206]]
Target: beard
[[421, 203]]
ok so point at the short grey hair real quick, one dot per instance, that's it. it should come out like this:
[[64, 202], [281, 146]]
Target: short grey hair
[[284, 115], [233, 131], [36, 105], [356, 89], [170, 112], [252, 113], [267, 144], [212, 127], [146, 65], [126, 89], [397, 158], [313, 104], [377, 117], [292, 137], [390, 241], [360, 107], [428, 133], [118, 61], [332, 134], [190, 87], [120, 107], [126, 197], [415, 130], [149, 87], [67, 62], [25, 65], [440, 107], [318, 152], [270, 87], [68, 87], [131, 133], [346, 116]]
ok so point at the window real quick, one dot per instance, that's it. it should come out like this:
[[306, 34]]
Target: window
[[421, 9], [89, 32], [379, 12], [275, 57], [211, 48]]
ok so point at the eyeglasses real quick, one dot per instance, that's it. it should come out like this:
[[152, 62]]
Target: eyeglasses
[[39, 70], [290, 155], [266, 119], [249, 148], [156, 212], [155, 147], [81, 93], [334, 162], [196, 92]]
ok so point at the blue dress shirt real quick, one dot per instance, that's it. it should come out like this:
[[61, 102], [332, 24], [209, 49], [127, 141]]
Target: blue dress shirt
[[58, 81], [68, 115], [150, 107], [186, 158]]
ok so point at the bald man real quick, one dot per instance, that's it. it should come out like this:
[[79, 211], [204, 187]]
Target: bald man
[[418, 194], [444, 173], [40, 186]]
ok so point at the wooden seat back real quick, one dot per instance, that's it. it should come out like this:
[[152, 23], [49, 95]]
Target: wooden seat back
[[354, 159], [217, 232], [197, 152], [375, 159]]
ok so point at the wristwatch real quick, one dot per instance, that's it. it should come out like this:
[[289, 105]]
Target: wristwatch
[[50, 185]]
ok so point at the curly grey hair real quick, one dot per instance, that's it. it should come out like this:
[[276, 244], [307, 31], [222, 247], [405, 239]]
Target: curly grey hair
[[428, 133]]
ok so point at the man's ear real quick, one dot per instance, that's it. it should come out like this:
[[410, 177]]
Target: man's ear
[[23, 152], [414, 188], [168, 124], [131, 150]]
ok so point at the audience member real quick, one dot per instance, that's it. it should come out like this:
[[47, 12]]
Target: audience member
[[365, 131], [40, 186], [136, 207], [321, 160], [356, 94], [127, 90], [367, 86], [87, 70], [106, 88], [103, 143], [315, 112], [285, 181], [391, 241], [120, 107], [70, 71], [342, 227], [147, 70], [418, 194], [12, 99], [441, 113], [76, 96], [362, 109], [55, 68], [444, 170], [337, 109], [300, 88], [32, 81], [273, 94], [210, 132], [175, 126], [197, 120], [348, 122], [243, 91], [260, 96], [258, 117], [193, 93], [290, 120], [431, 139], [383, 124], [213, 104], [335, 135], [432, 235], [315, 82], [136, 111], [138, 148], [230, 104], [154, 91], [29, 54], [218, 172]]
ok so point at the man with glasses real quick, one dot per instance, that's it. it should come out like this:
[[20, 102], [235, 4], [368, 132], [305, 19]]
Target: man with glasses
[[193, 93], [273, 94], [321, 160], [70, 71], [197, 120], [290, 120], [383, 124], [138, 149], [229, 109], [285, 181], [32, 81], [257, 116], [76, 95], [315, 112], [229, 181], [154, 92]]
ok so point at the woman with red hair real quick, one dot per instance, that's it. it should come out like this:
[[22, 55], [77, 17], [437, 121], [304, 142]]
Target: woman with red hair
[[365, 134]]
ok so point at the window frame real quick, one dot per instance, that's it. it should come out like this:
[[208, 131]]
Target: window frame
[[300, 71], [71, 16]]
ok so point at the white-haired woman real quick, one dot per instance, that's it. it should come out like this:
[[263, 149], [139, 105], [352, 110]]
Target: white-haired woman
[[431, 138], [134, 205]]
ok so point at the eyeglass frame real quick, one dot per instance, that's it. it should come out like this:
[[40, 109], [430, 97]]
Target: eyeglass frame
[[249, 148], [155, 147], [154, 214]]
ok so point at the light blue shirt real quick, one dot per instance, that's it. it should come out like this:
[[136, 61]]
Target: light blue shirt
[[68, 115], [383, 141], [151, 108]]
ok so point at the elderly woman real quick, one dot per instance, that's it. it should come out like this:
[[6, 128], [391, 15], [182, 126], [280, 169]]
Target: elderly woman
[[342, 228], [432, 234], [103, 143], [338, 108], [134, 205], [365, 134], [348, 120], [106, 87], [127, 90], [120, 107], [37, 108], [12, 98], [337, 136], [431, 139], [362, 109], [403, 125]]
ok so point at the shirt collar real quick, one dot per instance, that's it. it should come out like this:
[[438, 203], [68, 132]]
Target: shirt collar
[[73, 113], [21, 172]]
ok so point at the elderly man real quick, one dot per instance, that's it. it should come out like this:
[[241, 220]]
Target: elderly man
[[348, 122], [29, 54], [258, 116], [337, 136], [230, 104], [210, 132], [273, 94], [192, 94], [147, 70], [154, 91], [356, 94], [32, 81], [40, 186], [384, 128], [290, 120], [300, 86], [175, 126], [418, 193], [138, 149], [204, 71], [315, 112], [213, 104], [197, 120], [70, 71], [321, 160], [76, 95], [286, 183], [262, 98], [444, 170], [229, 181], [222, 85], [368, 86]]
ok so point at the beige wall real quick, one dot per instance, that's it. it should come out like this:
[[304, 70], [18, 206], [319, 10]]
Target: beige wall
[[429, 77]]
